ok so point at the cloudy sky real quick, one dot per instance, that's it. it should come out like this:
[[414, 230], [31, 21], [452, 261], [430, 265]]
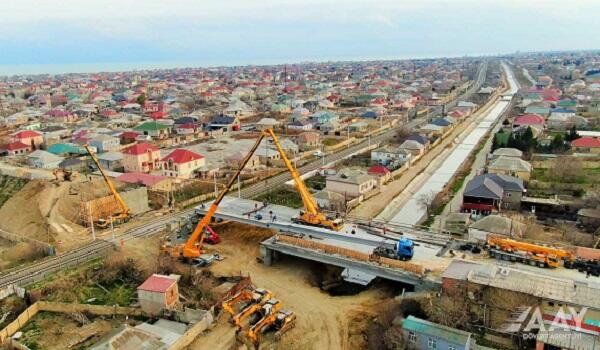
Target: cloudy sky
[[213, 32]]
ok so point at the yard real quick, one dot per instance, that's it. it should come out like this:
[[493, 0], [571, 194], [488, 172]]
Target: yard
[[282, 196], [563, 180]]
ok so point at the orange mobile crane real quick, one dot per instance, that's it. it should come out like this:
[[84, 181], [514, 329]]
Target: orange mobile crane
[[124, 214], [310, 216], [528, 253]]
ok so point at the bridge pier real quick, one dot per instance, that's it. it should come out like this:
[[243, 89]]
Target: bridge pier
[[266, 255]]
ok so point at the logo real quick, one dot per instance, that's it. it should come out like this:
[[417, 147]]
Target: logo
[[531, 321]]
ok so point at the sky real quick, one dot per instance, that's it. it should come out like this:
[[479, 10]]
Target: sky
[[71, 34]]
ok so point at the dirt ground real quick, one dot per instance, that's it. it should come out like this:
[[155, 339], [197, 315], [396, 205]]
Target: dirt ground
[[50, 212], [323, 321]]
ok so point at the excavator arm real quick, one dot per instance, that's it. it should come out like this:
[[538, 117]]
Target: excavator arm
[[124, 208], [192, 249]]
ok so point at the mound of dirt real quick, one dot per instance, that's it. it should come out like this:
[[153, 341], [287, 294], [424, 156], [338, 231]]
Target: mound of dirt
[[51, 212]]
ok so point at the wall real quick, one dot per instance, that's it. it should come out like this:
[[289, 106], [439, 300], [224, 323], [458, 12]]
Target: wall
[[136, 200], [20, 238], [188, 337], [32, 310]]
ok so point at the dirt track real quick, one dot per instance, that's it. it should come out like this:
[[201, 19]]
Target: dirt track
[[321, 318]]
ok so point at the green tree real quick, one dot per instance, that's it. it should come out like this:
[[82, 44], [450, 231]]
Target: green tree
[[141, 99]]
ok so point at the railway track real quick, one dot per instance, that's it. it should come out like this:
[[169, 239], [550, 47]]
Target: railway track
[[39, 270]]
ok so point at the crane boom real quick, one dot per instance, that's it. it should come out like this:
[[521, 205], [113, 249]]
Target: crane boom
[[190, 249], [307, 199], [124, 208]]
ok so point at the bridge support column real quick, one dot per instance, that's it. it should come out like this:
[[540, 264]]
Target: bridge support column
[[267, 255]]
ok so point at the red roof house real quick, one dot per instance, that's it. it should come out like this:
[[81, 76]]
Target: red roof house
[[380, 171], [157, 293], [15, 148], [141, 158], [182, 163], [28, 137], [529, 120], [586, 144]]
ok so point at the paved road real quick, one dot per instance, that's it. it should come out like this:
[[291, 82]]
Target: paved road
[[39, 270]]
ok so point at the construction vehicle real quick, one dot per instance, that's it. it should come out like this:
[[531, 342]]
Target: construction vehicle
[[403, 250], [282, 321], [250, 309], [311, 215], [193, 247], [124, 214], [245, 295], [61, 174], [527, 253]]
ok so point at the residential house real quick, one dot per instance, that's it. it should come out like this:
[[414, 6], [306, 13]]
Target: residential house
[[128, 137], [44, 160], [154, 129], [495, 225], [586, 145], [235, 160], [228, 123], [267, 123], [308, 140], [421, 334], [112, 161], [238, 108], [182, 163], [15, 149], [329, 200], [414, 147], [28, 137], [381, 172], [105, 143], [487, 193], [529, 120], [141, 158], [301, 124], [358, 127], [60, 116], [157, 183], [419, 138], [67, 149], [322, 117], [507, 152], [352, 183], [512, 166], [390, 156]]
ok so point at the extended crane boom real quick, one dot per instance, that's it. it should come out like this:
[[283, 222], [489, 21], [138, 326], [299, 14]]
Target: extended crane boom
[[193, 247], [125, 212], [311, 215]]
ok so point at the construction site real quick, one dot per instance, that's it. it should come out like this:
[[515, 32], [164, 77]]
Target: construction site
[[240, 273]]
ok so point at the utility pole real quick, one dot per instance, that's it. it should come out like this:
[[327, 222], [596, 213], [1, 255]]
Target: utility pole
[[215, 182], [112, 227], [239, 188], [91, 221]]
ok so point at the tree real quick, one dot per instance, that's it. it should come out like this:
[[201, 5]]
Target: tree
[[566, 169], [141, 99], [572, 135], [426, 201]]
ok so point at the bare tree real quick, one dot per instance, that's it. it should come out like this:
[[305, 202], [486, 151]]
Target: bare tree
[[426, 202], [566, 169]]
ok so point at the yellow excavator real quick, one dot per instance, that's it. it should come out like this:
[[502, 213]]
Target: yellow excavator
[[250, 310], [124, 214], [311, 215], [282, 321], [254, 296]]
